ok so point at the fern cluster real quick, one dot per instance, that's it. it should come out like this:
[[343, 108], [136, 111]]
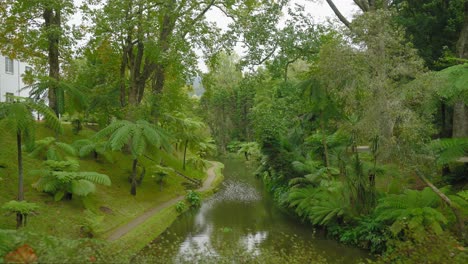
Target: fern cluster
[[50, 148], [138, 135], [413, 211], [450, 149], [62, 177], [21, 207], [321, 205], [85, 147]]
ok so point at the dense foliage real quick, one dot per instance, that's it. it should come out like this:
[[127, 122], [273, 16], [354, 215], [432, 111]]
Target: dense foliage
[[358, 130]]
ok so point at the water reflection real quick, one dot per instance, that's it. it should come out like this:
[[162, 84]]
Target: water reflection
[[252, 241], [238, 195], [240, 219]]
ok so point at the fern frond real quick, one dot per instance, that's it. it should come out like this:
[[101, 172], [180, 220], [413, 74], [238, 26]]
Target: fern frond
[[138, 143], [82, 187], [120, 137], [68, 149], [95, 177]]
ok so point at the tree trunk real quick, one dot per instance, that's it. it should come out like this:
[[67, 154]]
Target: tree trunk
[[20, 167], [185, 152], [142, 175], [462, 44], [454, 208], [460, 120], [460, 110], [134, 182], [19, 220], [324, 142], [68, 196], [52, 18]]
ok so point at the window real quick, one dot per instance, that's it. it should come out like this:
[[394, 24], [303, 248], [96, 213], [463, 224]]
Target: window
[[9, 65], [9, 97]]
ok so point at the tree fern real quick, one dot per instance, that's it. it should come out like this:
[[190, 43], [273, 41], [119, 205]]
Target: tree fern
[[51, 149], [450, 149], [63, 178], [18, 116], [138, 136], [21, 208], [85, 147], [413, 210], [320, 205]]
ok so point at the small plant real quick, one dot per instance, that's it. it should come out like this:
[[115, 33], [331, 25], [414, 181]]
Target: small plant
[[22, 209], [249, 149], [91, 224], [62, 179], [225, 229], [193, 198], [76, 125], [160, 173], [180, 206]]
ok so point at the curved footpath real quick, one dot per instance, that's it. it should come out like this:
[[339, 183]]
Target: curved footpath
[[121, 231]]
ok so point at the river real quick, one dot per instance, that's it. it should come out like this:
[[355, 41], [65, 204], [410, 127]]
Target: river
[[241, 224]]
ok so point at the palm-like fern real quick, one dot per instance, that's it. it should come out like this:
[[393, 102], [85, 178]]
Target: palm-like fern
[[187, 130], [63, 178], [87, 146], [320, 205], [138, 136], [18, 115], [249, 149], [313, 172], [449, 149], [414, 211], [160, 173], [51, 149]]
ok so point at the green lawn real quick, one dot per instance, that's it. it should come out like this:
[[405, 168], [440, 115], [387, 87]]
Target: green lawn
[[66, 218]]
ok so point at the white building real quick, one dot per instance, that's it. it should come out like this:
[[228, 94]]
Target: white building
[[11, 78]]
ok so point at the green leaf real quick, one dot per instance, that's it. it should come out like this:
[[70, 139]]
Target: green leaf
[[59, 195]]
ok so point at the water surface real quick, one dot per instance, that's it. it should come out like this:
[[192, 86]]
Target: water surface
[[242, 219]]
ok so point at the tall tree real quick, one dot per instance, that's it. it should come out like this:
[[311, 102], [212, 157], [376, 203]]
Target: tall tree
[[36, 31], [157, 40], [364, 6], [460, 109]]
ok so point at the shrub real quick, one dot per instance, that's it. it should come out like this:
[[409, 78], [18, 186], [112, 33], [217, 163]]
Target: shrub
[[413, 211], [180, 206], [193, 198]]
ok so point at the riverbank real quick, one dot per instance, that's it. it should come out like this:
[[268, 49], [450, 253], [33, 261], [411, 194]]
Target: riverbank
[[96, 215], [128, 239]]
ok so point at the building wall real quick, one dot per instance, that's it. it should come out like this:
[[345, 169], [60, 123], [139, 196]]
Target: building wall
[[12, 82]]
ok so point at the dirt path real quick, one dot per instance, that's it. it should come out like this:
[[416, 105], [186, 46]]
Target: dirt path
[[121, 231]]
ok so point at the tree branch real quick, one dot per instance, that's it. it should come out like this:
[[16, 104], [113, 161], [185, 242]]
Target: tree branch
[[338, 13], [453, 207]]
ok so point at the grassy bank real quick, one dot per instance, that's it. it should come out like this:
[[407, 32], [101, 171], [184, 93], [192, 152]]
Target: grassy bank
[[143, 234], [103, 211]]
